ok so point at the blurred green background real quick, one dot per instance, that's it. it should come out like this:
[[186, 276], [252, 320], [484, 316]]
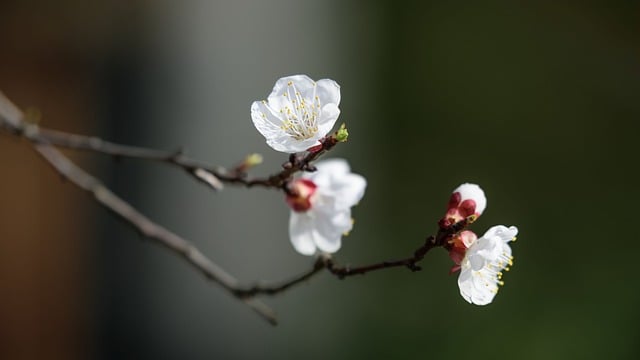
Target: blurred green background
[[537, 102]]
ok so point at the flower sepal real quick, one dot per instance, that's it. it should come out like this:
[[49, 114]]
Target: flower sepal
[[299, 194]]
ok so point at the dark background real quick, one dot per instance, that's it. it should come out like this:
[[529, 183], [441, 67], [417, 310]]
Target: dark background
[[535, 101]]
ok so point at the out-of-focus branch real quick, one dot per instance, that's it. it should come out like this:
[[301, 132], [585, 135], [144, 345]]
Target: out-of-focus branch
[[12, 118], [90, 143]]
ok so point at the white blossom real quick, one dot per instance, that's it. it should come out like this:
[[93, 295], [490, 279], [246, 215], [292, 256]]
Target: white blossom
[[483, 263], [321, 206], [298, 113]]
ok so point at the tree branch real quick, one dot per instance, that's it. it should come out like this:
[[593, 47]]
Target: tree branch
[[318, 265], [440, 239], [324, 261], [12, 117], [212, 176], [43, 141]]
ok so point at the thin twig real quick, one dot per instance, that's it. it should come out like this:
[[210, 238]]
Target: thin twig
[[11, 117], [43, 139], [318, 265], [440, 239], [212, 176], [326, 262]]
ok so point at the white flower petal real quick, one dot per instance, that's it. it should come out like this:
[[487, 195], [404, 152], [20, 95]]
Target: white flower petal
[[487, 248], [335, 221], [334, 179], [265, 121], [506, 251], [328, 91], [289, 145], [332, 167], [270, 126], [327, 172], [302, 84], [477, 287], [465, 284], [328, 117], [328, 243], [350, 190], [484, 288], [301, 233], [476, 262], [330, 226], [506, 234]]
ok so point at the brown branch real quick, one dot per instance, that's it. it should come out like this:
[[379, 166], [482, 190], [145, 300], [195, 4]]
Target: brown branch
[[318, 265], [12, 118], [43, 139], [212, 176], [440, 239], [324, 261], [296, 163]]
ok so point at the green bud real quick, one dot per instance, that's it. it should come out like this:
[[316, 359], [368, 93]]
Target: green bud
[[342, 134], [252, 160]]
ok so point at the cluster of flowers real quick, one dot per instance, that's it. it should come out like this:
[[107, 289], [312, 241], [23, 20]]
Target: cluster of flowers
[[296, 116], [479, 260], [298, 113]]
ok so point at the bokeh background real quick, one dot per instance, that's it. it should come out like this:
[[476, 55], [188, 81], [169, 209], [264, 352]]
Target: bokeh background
[[537, 101]]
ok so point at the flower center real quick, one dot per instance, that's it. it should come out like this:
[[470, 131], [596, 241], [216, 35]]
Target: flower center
[[300, 114]]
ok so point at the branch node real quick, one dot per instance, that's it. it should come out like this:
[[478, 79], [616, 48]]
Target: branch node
[[413, 267]]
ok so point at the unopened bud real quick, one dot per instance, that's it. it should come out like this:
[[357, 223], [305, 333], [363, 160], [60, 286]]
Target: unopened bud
[[250, 161], [458, 245], [342, 134], [467, 202], [253, 160]]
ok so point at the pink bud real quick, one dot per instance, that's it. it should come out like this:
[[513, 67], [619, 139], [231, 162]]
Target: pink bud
[[300, 193], [466, 200], [458, 246]]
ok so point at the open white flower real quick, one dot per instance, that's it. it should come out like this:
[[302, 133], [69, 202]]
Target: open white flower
[[321, 206], [483, 263], [466, 200], [298, 113]]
